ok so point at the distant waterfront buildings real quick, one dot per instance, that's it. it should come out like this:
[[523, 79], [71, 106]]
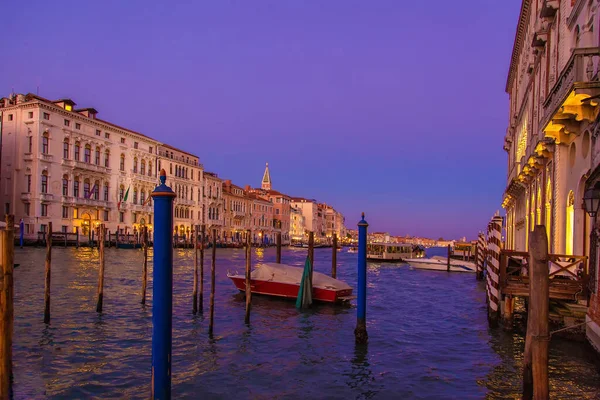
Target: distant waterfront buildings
[[64, 165], [551, 139]]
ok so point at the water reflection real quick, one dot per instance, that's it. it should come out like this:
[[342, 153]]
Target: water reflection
[[428, 335]]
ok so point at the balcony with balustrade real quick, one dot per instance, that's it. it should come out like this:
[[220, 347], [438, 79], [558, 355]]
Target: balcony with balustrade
[[82, 165], [574, 97]]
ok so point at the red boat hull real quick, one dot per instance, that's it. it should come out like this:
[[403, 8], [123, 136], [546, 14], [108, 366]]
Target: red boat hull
[[288, 290]]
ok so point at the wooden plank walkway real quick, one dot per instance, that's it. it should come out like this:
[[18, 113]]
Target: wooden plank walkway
[[568, 275]]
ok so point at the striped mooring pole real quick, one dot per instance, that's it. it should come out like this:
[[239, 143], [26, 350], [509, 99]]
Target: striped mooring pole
[[480, 256], [162, 292], [360, 333], [493, 269]]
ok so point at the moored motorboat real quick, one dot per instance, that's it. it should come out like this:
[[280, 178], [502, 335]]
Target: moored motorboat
[[439, 263], [281, 280]]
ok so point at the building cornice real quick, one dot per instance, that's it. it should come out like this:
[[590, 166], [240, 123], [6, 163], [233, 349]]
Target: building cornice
[[518, 43]]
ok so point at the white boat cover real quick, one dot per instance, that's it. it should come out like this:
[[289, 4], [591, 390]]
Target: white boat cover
[[288, 274]]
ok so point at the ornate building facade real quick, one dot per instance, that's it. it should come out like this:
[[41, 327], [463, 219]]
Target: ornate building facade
[[551, 140]]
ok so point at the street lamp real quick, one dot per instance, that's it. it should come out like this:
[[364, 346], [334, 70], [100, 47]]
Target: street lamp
[[591, 202]]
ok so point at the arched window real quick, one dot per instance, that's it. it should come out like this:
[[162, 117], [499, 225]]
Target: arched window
[[76, 187], [87, 154], [570, 223], [86, 188], [171, 169], [45, 182], [76, 151], [96, 191], [122, 163], [548, 208], [121, 192], [149, 168], [66, 149], [142, 196], [539, 206], [176, 212], [106, 158], [97, 156], [135, 197], [135, 165], [105, 191], [45, 140], [65, 185], [143, 168]]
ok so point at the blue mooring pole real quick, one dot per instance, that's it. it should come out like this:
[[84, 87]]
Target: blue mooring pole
[[162, 292], [21, 233], [360, 333]]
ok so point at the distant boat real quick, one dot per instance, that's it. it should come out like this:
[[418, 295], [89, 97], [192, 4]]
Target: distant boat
[[390, 252], [353, 249], [129, 245], [439, 263], [281, 280]]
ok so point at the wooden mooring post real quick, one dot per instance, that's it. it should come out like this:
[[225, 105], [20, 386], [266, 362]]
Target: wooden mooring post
[[101, 273], [195, 288], [7, 240], [202, 239], [145, 265], [480, 256], [212, 282], [535, 357], [334, 257], [448, 261], [493, 270], [311, 254], [360, 333], [278, 260], [248, 267], [76, 237], [48, 274]]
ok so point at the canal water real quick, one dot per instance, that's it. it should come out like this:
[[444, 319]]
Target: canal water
[[428, 336]]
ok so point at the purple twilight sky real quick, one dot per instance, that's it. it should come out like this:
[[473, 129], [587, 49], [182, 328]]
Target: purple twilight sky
[[394, 108]]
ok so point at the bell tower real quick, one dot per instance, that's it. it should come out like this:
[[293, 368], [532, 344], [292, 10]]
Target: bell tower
[[266, 180]]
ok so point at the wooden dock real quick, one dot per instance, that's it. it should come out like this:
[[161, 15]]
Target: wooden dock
[[568, 275]]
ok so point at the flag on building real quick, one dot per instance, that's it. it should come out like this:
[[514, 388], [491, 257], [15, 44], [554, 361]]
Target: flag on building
[[124, 198], [89, 194]]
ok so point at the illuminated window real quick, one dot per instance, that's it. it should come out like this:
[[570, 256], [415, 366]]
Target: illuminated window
[[68, 107], [521, 141], [548, 208], [570, 223]]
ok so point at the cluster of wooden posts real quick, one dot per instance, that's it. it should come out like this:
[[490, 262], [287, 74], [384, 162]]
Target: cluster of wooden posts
[[6, 283], [488, 256]]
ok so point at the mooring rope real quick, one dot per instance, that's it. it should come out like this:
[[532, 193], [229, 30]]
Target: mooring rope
[[569, 327]]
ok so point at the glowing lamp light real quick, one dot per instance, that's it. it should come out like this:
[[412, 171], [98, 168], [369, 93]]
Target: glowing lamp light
[[591, 201]]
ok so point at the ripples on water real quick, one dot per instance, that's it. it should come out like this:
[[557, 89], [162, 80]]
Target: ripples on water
[[428, 336]]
